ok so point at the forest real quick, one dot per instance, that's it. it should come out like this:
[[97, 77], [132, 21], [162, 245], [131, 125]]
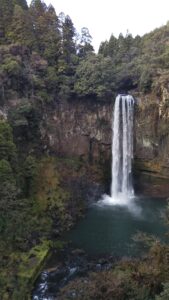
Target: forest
[[43, 61], [43, 57]]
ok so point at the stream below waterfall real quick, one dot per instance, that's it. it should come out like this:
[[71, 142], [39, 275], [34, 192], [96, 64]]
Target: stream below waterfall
[[104, 235]]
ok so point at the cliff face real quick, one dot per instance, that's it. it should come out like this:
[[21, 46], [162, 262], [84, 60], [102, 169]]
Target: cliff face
[[83, 129], [151, 164], [79, 128]]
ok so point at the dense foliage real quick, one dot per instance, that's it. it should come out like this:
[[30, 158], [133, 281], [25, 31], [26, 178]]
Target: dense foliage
[[36, 205], [145, 279], [39, 51], [42, 60]]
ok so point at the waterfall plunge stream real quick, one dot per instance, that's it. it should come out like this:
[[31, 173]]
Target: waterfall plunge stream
[[122, 152]]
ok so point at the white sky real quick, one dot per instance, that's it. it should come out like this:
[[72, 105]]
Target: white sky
[[114, 16]]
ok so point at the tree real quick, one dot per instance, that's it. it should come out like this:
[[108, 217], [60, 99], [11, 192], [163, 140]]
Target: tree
[[145, 80], [8, 186], [37, 8], [53, 37], [124, 47], [7, 146], [113, 47], [103, 49], [6, 11], [46, 28], [68, 34], [21, 29], [85, 46], [21, 3], [11, 74], [8, 190], [37, 13], [95, 77], [29, 172], [68, 60]]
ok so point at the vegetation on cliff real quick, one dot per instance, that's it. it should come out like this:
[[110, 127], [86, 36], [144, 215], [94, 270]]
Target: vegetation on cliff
[[42, 60], [38, 201], [37, 204]]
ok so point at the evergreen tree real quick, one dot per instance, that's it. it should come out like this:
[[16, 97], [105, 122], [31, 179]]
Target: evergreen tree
[[53, 36], [46, 28], [68, 60], [7, 146], [68, 38], [37, 8], [124, 45], [21, 29], [8, 187], [21, 3], [103, 49], [85, 46], [128, 44], [113, 46], [37, 12], [6, 12]]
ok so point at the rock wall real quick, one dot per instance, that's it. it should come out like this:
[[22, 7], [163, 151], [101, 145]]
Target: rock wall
[[151, 164], [83, 128], [79, 128]]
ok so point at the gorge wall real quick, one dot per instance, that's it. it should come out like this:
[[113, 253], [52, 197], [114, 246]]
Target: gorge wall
[[151, 164], [83, 129], [79, 128]]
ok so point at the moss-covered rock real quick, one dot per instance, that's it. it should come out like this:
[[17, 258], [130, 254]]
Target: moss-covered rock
[[22, 270]]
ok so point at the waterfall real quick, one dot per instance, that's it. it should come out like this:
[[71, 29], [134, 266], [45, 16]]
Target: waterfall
[[122, 192], [122, 148]]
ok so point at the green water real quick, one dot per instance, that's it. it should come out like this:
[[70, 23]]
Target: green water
[[110, 229]]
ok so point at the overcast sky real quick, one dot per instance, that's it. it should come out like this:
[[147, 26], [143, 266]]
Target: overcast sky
[[103, 17]]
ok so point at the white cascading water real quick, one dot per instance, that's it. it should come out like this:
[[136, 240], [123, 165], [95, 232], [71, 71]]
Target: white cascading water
[[122, 148], [122, 154]]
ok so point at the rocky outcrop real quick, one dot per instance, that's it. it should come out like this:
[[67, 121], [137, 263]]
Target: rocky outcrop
[[151, 164], [79, 128]]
